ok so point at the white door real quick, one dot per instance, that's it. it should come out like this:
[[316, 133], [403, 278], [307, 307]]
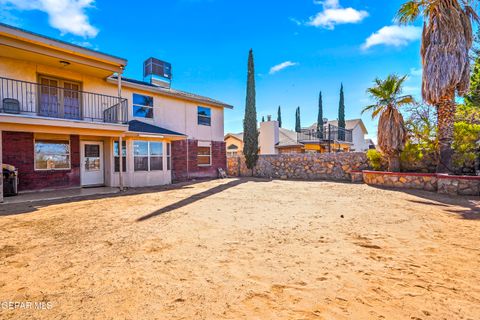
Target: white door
[[91, 166]]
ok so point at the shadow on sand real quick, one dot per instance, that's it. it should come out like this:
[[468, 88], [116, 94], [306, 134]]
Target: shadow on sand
[[200, 196], [466, 207], [32, 206]]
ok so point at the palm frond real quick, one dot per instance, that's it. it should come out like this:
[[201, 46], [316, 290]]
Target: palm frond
[[409, 11]]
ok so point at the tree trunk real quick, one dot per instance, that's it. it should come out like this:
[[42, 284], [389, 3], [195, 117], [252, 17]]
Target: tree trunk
[[394, 163], [446, 119]]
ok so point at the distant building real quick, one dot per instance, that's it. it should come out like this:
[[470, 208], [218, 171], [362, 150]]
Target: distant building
[[276, 140]]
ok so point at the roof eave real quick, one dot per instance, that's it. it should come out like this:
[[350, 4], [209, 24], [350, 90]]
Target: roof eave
[[21, 34], [158, 90]]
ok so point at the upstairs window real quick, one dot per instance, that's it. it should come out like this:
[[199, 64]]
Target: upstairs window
[[142, 106], [204, 116]]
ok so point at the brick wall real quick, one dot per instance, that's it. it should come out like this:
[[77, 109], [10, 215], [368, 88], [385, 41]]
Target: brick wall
[[18, 150], [180, 158]]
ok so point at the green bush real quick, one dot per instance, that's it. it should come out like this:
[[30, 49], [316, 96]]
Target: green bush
[[465, 140], [374, 159]]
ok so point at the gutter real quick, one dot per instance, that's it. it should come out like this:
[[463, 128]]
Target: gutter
[[165, 92]]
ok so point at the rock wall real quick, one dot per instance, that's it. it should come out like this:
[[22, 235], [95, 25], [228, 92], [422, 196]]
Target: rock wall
[[317, 166], [453, 185], [421, 181]]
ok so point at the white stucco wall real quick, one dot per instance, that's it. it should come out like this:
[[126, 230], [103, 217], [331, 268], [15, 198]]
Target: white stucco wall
[[170, 113], [268, 138], [358, 136]]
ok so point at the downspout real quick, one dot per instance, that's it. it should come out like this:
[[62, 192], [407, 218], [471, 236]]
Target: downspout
[[120, 139]]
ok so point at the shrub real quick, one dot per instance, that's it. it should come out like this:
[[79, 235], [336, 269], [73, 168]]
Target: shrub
[[465, 140], [375, 159]]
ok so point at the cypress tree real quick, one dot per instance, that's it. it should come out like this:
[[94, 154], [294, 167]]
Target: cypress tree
[[263, 118], [279, 117], [250, 130], [298, 126], [320, 116], [341, 116]]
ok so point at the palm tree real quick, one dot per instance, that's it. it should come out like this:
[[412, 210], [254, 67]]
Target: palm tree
[[392, 134], [446, 41]]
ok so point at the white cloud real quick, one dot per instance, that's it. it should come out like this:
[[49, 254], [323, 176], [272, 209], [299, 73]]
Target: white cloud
[[333, 13], [281, 66], [394, 35], [416, 72], [68, 16]]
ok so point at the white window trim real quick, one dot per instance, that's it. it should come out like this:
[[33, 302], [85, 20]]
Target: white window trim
[[168, 155], [52, 169], [115, 156], [148, 156], [201, 145], [141, 105]]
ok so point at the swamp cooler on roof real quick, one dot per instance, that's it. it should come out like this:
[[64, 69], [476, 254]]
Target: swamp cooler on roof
[[157, 72]]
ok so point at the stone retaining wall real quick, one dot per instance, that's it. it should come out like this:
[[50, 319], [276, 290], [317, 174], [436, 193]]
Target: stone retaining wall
[[454, 185], [317, 166]]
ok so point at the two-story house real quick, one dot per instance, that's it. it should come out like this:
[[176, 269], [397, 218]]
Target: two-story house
[[66, 112]]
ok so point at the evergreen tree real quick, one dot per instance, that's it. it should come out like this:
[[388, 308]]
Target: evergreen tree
[[320, 116], [341, 116], [279, 117], [472, 99], [250, 130], [263, 118], [298, 126]]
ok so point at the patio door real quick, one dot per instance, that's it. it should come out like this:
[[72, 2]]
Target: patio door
[[91, 166], [59, 98]]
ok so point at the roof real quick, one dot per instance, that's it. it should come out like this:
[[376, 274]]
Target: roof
[[139, 126], [171, 92], [15, 31], [238, 136], [287, 138], [349, 124]]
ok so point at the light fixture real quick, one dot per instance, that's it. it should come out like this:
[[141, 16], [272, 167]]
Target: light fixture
[[64, 63]]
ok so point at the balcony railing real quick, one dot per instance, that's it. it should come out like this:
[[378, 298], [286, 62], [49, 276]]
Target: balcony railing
[[330, 133], [29, 98]]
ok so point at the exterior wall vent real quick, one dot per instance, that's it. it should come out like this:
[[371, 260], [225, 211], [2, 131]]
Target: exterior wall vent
[[157, 72]]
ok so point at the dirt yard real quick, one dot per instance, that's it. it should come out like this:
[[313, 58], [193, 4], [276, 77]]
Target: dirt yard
[[244, 249]]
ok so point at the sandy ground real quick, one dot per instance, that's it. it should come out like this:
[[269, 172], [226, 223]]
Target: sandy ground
[[245, 249]]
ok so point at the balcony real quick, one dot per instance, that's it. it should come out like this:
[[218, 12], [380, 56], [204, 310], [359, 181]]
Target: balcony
[[330, 133], [67, 102]]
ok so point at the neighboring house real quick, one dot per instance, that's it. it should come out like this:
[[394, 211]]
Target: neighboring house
[[275, 140], [65, 111], [234, 143], [359, 142]]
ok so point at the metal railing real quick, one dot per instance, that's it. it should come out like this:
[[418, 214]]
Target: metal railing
[[29, 98], [330, 133]]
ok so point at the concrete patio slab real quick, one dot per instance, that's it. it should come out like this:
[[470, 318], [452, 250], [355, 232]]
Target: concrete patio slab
[[58, 194]]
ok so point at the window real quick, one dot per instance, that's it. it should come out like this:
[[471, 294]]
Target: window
[[204, 156], [117, 156], [52, 155], [142, 106], [156, 156], [147, 156], [232, 147], [140, 155], [204, 116], [169, 156]]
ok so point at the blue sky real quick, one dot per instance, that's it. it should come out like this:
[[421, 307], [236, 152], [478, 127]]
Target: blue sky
[[315, 45]]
